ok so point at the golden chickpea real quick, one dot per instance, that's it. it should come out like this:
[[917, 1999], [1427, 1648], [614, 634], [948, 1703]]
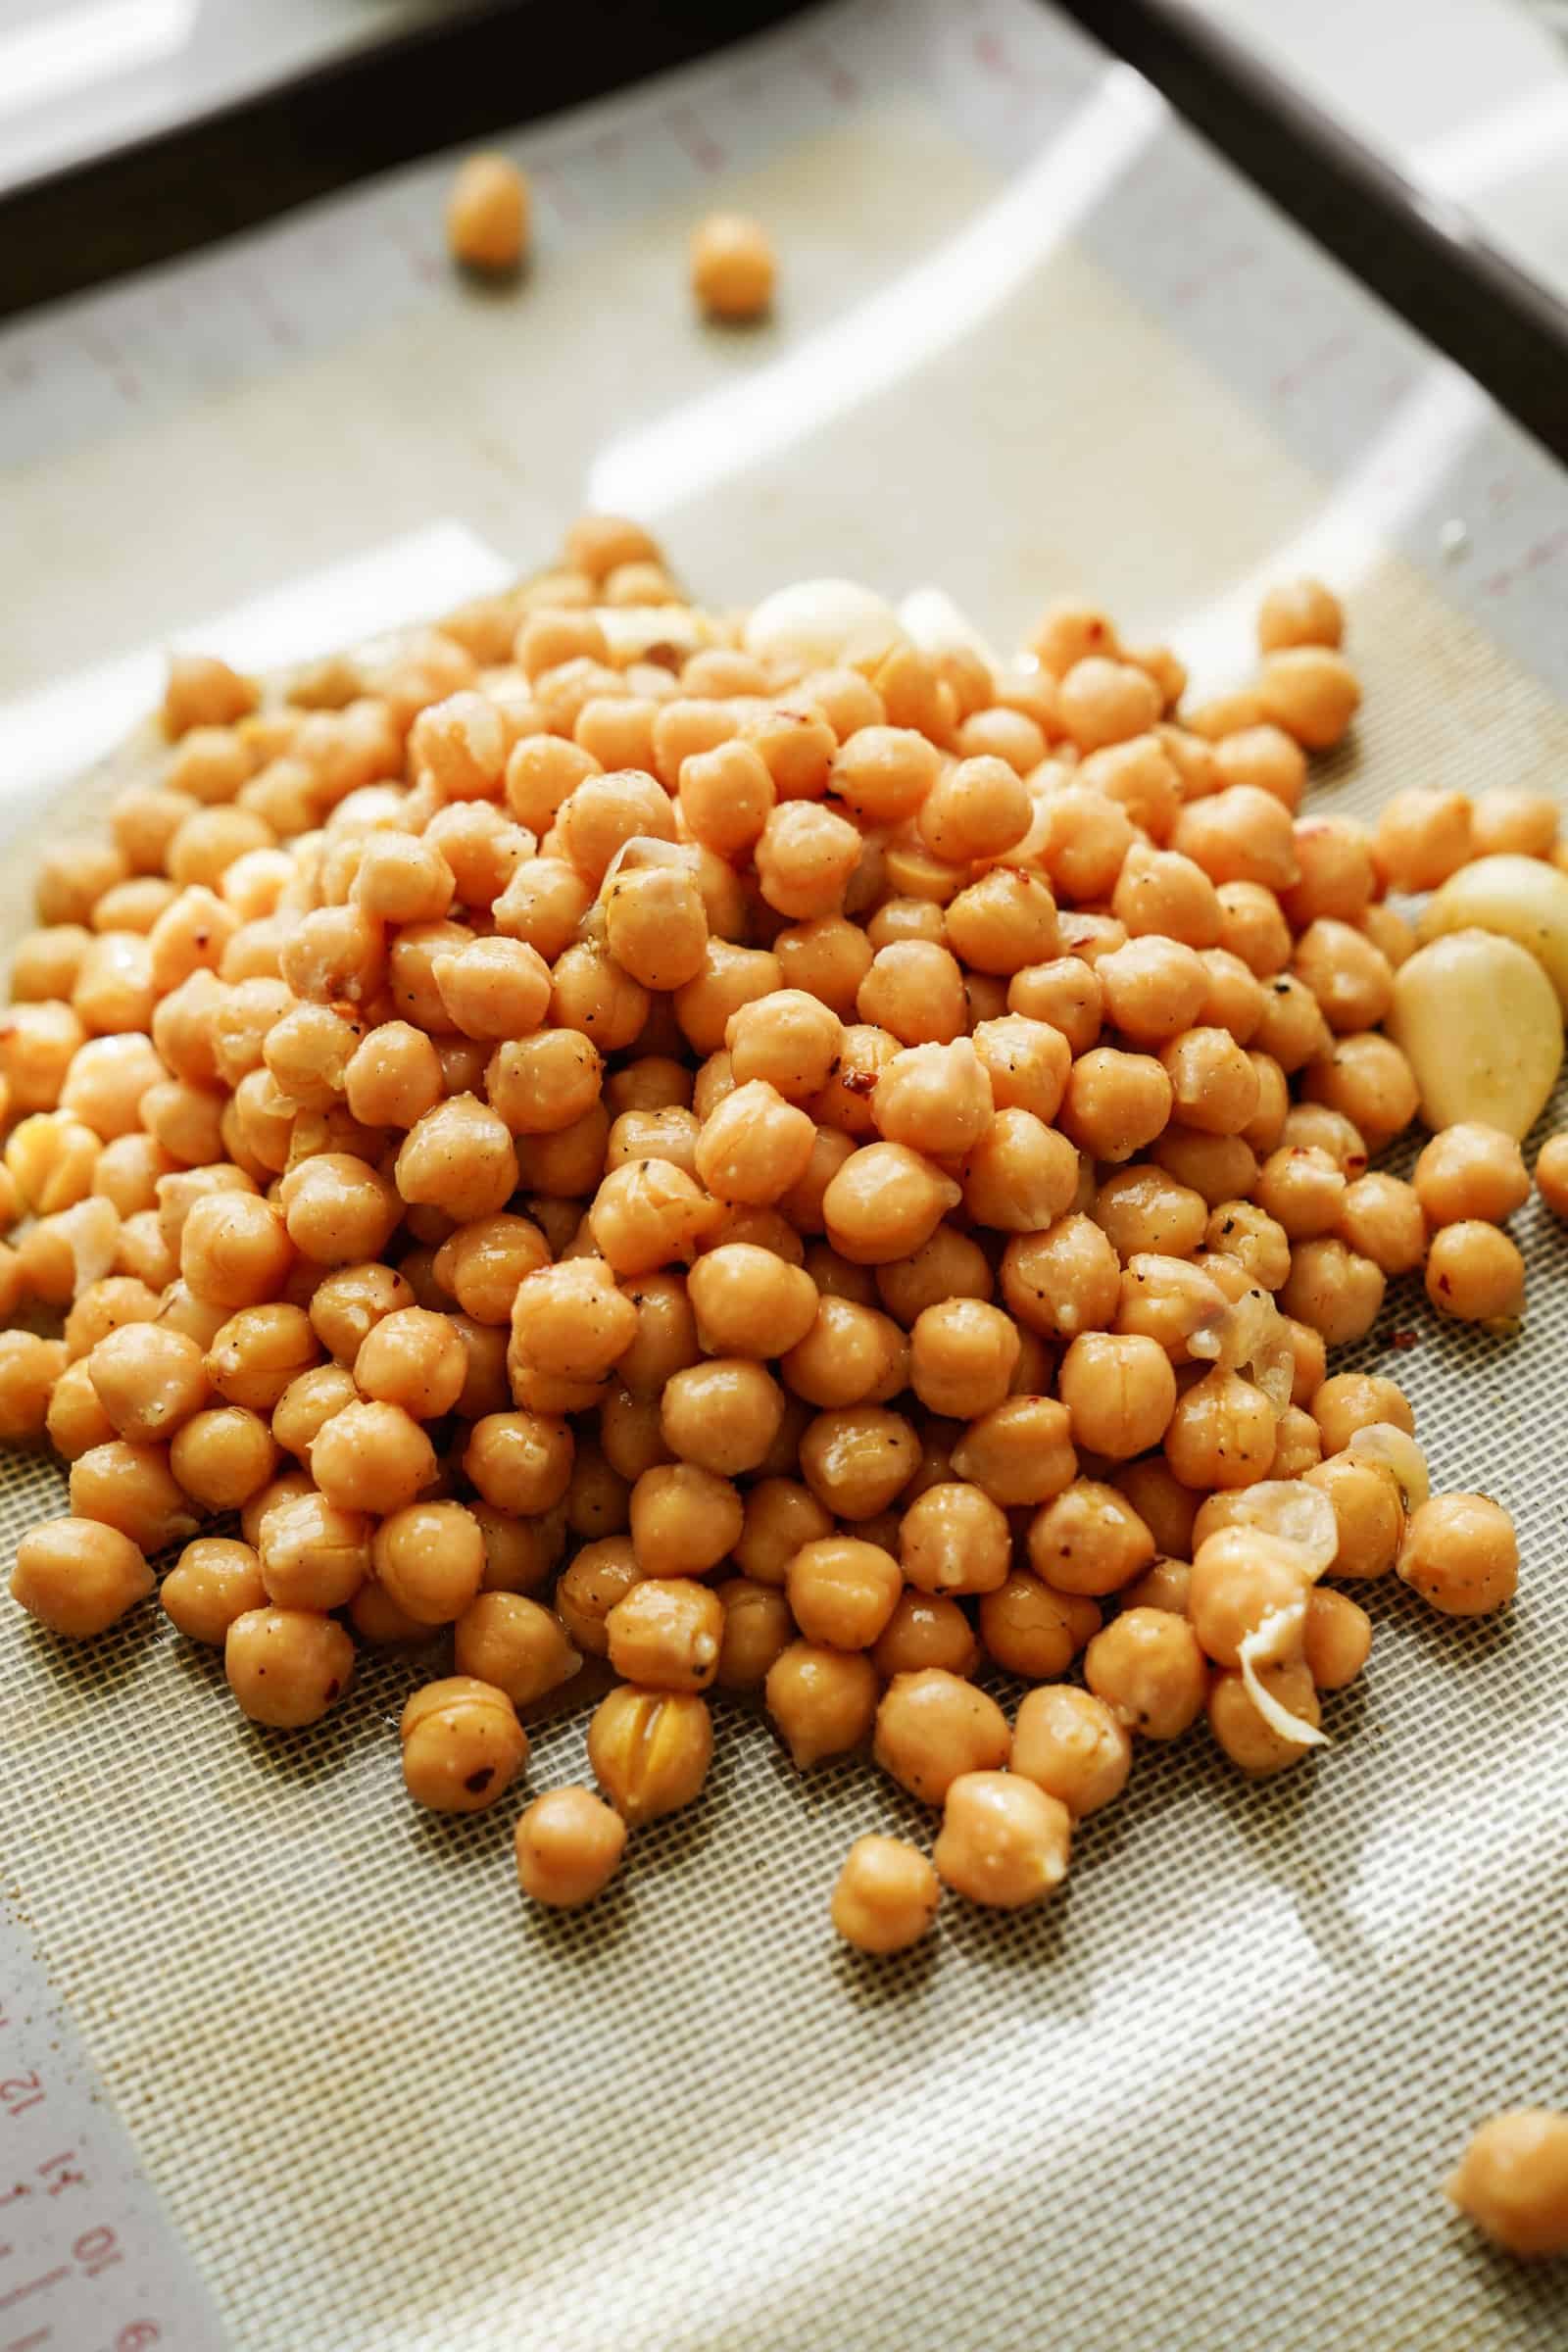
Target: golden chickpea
[[842, 1591], [926, 1630], [212, 1582], [459, 1158], [253, 1356], [1141, 1210], [1021, 1176], [1304, 1190], [1148, 1668], [1221, 1433], [954, 1538], [915, 990], [962, 1355], [1165, 1586], [1004, 1842], [1241, 834], [1335, 1290], [1062, 1281], [1033, 1632], [722, 1415], [852, 1353], [569, 1844], [1311, 692], [886, 1896], [1475, 1273], [1088, 1539], [1299, 612], [223, 1456], [1115, 1103], [1120, 1393], [79, 1577], [337, 1209], [40, 1045], [1552, 1174], [650, 1751], [1382, 1218], [933, 1098], [645, 1214], [1102, 701], [732, 268], [1070, 1745], [463, 1745], [667, 1634], [781, 1516], [1512, 2181], [313, 1555], [484, 1263], [1241, 1576], [931, 1726], [949, 1266], [683, 1520], [132, 1487], [1004, 922], [73, 1420], [824, 1702], [1310, 1358], [148, 1380], [52, 1158], [487, 213], [1249, 1742], [1422, 836], [748, 1302], [374, 1457], [515, 1644], [885, 1202], [1337, 1638], [757, 1629], [1346, 972], [827, 959], [286, 1666], [1509, 823], [1161, 891], [856, 1460], [1369, 1514], [1470, 1171], [1461, 1554]]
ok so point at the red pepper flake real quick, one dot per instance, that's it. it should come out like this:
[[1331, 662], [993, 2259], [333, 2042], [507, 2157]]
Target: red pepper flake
[[1402, 1338]]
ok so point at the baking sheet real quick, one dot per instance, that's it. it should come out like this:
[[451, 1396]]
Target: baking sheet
[[1207, 2098]]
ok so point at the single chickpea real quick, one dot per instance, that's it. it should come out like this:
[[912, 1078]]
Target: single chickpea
[[722, 1415], [650, 1751], [1115, 1103], [1298, 1446], [748, 1302], [1021, 1176], [1004, 1842], [148, 1380], [822, 1701], [1369, 1514], [45, 963], [253, 1356], [286, 1666], [852, 1353], [336, 1209], [459, 1158], [885, 1202], [463, 1745], [1070, 1745], [1422, 836], [108, 1305], [732, 268], [954, 1538], [131, 1487], [1512, 2181], [842, 1591], [949, 1266], [1470, 1171], [1337, 1638], [314, 1556], [1120, 1393], [1310, 1358], [1062, 1281], [962, 1353], [1461, 1554], [40, 1045], [223, 1456], [1338, 878], [683, 1520], [731, 976], [1304, 1190], [1088, 1539], [1149, 1669], [487, 213], [757, 1629], [805, 859], [1383, 1219], [1475, 1273], [569, 1844], [1335, 1290], [886, 1896], [74, 1421], [1167, 1509], [1241, 834], [1222, 1433], [1141, 1210], [1004, 922], [483, 1262], [1311, 692], [1154, 989], [413, 1359], [781, 1516], [858, 1459], [79, 1577], [1065, 994], [1033, 1632], [914, 991], [934, 1098], [1213, 1084], [1163, 1587], [1293, 1029], [827, 959], [212, 1582], [1346, 972], [1523, 824], [52, 1159], [347, 1304], [1161, 891], [932, 1727], [1241, 1230], [373, 1457], [1250, 1741], [926, 1630], [1552, 1174], [1241, 1576], [667, 1633], [1299, 612]]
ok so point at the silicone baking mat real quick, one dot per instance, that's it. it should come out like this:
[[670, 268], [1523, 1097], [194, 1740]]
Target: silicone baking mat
[[1031, 338]]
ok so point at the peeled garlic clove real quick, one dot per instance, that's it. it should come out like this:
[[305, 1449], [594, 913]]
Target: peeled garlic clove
[[821, 623], [1523, 898], [633, 630], [1479, 1022], [1395, 1449]]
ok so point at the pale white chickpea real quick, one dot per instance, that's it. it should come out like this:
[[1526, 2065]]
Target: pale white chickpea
[[79, 1577], [1512, 2181], [1070, 1745], [1004, 1842], [1470, 1171]]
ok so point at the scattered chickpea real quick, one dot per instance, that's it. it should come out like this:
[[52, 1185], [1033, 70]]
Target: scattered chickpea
[[1004, 1842], [1512, 2180], [732, 267], [886, 1896], [487, 213], [463, 1745], [1460, 1553], [568, 1846]]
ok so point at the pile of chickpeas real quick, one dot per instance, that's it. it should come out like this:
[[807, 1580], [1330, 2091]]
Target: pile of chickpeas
[[750, 1151]]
